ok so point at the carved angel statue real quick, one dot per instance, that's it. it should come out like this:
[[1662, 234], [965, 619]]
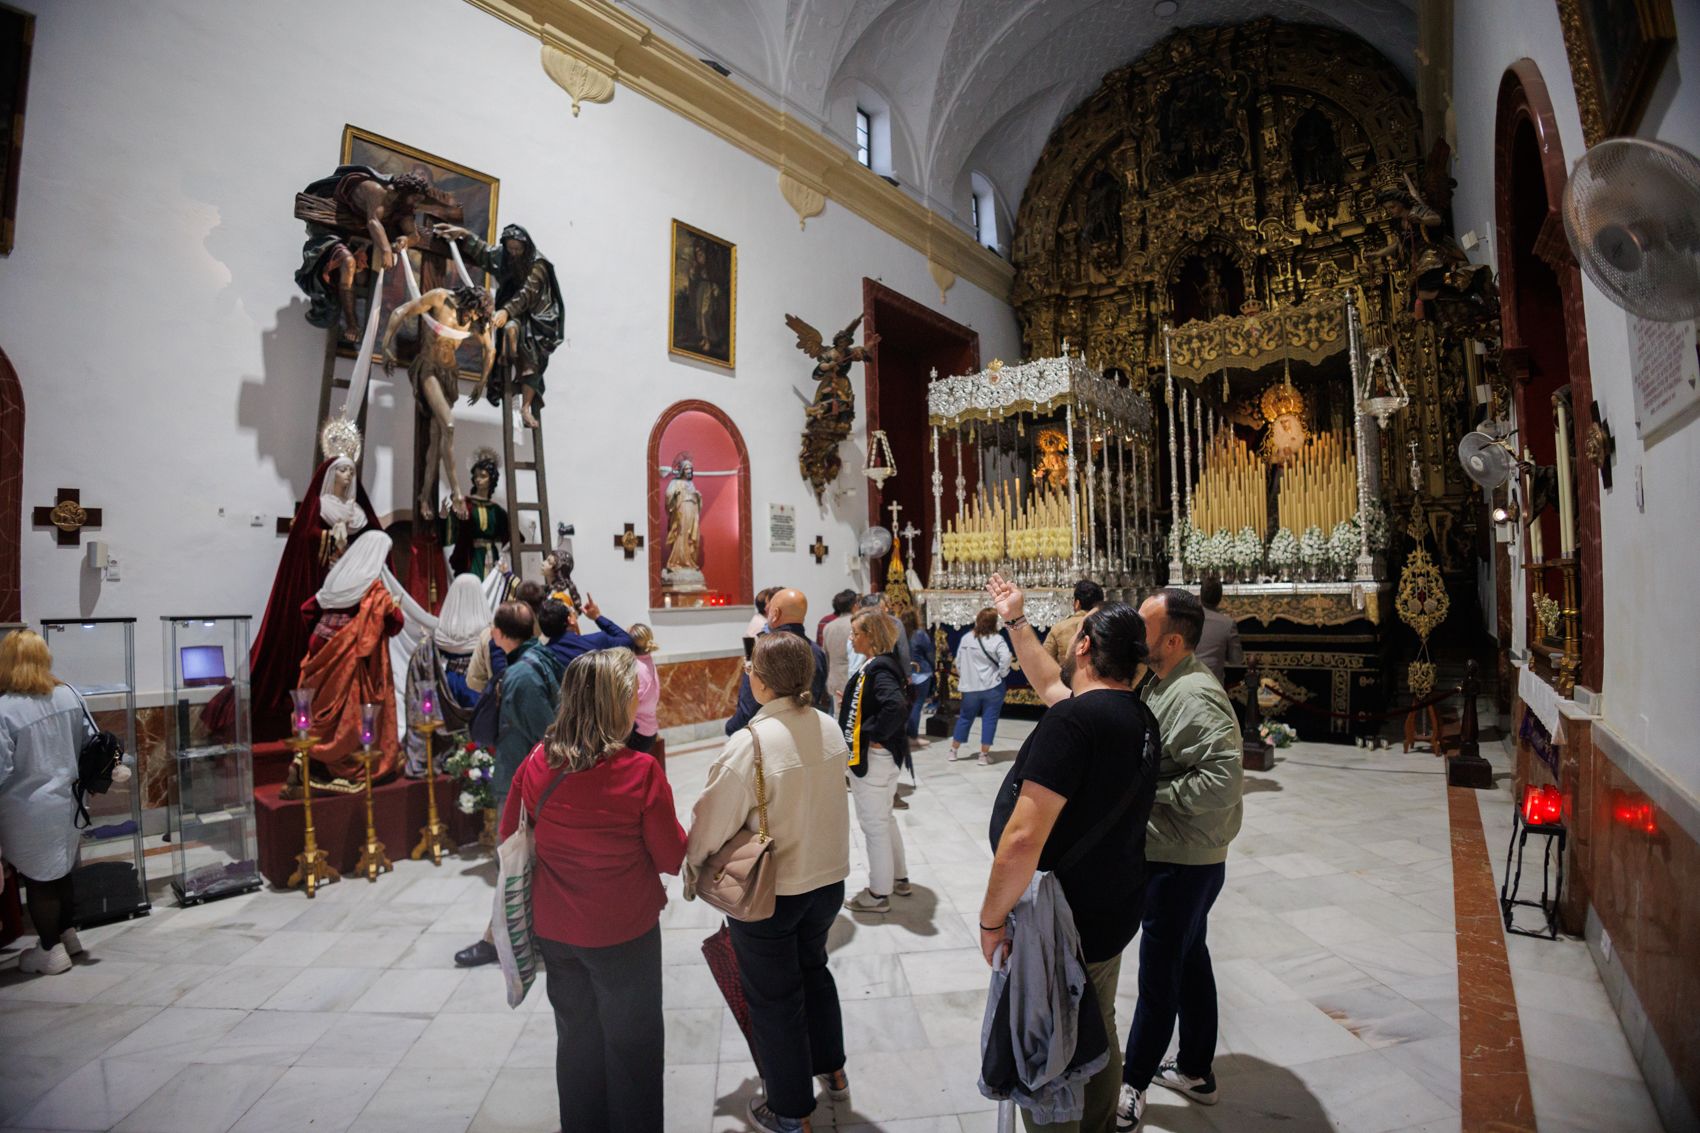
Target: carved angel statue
[[828, 418]]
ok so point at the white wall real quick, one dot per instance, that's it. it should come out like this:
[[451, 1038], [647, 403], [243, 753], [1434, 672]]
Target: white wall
[[1652, 610], [168, 371]]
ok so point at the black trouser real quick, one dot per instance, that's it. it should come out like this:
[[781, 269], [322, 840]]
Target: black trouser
[[1175, 977], [799, 1030], [638, 741], [609, 1038], [50, 906]]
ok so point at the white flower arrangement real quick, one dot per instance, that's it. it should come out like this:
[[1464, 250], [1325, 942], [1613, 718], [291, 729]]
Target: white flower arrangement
[[1278, 734], [1284, 551], [1195, 547], [467, 803], [1313, 547], [1248, 549], [1344, 544], [1222, 549], [1374, 519]]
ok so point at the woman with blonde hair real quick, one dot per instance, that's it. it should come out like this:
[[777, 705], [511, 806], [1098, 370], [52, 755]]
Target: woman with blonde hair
[[798, 1031], [874, 717], [645, 726], [605, 831], [42, 731]]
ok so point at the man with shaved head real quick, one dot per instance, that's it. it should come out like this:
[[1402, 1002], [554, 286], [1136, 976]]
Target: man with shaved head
[[786, 610]]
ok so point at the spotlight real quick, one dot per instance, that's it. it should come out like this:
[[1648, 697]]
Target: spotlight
[[1163, 9], [1505, 514]]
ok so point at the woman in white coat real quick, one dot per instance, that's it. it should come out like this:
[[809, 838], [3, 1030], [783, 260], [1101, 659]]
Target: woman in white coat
[[42, 730]]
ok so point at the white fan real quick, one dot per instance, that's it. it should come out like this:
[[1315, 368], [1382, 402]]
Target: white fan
[[1486, 459], [1632, 214], [875, 542]]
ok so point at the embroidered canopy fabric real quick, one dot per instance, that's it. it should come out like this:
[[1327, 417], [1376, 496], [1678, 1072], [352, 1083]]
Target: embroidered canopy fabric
[[1308, 332], [1038, 387]]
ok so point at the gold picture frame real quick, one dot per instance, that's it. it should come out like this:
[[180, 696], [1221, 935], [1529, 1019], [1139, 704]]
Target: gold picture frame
[[478, 195], [702, 299], [1616, 49]]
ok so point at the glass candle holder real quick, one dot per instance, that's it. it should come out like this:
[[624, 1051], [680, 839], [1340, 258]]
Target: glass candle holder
[[429, 709], [301, 710], [368, 723]]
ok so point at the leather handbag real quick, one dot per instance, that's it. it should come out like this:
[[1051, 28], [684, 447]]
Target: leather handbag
[[739, 879]]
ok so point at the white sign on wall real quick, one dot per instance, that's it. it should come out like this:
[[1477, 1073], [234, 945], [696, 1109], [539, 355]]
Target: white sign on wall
[[1666, 370], [781, 527]]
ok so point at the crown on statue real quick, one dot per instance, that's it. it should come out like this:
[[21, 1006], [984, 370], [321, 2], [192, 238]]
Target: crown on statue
[[486, 455], [340, 438]]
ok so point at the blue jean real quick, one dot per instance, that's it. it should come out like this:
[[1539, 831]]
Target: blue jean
[[1175, 976], [921, 691], [986, 704]]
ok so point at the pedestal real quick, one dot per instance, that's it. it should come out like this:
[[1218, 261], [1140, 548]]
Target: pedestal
[[311, 868]]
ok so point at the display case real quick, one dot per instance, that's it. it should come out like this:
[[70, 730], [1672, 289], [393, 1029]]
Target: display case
[[97, 657], [214, 846]]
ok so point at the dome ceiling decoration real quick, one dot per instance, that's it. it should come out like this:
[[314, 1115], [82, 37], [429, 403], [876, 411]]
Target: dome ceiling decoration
[[970, 85]]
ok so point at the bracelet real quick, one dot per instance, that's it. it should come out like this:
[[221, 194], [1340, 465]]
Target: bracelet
[[1017, 623], [999, 928]]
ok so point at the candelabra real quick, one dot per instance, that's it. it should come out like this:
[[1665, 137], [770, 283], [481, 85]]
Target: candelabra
[[433, 836], [372, 858], [311, 868]]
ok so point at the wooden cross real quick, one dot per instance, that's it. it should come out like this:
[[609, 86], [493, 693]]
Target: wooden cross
[[69, 516], [629, 541], [819, 551]]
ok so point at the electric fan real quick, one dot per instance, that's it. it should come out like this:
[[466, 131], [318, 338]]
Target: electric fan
[[1632, 214]]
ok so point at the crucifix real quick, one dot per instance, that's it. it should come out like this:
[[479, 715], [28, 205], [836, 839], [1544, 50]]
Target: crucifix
[[894, 507], [628, 541], [818, 551], [68, 515], [909, 532]]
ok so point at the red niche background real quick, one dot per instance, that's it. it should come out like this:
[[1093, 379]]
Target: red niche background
[[715, 445]]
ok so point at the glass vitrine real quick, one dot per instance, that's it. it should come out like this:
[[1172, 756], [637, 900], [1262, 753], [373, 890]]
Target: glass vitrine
[[97, 657], [214, 848]]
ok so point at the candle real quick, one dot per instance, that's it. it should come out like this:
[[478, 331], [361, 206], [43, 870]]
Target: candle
[[301, 710], [1566, 503], [368, 723], [428, 699]]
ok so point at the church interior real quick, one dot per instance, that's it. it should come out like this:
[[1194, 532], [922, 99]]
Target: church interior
[[1372, 322]]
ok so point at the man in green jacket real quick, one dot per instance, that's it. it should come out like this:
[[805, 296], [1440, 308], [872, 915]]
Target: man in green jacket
[[1196, 815]]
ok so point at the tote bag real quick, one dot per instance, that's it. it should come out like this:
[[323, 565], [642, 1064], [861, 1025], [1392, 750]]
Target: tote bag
[[511, 921]]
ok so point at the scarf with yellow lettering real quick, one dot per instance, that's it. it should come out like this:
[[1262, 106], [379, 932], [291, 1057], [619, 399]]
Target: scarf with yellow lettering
[[853, 726]]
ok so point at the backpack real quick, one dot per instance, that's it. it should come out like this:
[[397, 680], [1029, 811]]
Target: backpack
[[486, 718], [98, 759]]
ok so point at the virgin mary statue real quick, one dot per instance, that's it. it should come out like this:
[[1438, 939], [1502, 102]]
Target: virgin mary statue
[[353, 616]]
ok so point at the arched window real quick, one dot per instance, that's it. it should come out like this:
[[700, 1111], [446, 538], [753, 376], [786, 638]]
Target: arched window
[[983, 211]]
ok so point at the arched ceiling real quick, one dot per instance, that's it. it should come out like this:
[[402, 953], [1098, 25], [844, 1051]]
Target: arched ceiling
[[972, 85]]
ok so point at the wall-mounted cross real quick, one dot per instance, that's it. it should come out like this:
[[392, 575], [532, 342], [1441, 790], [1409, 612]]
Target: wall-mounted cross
[[629, 541], [818, 551], [69, 516]]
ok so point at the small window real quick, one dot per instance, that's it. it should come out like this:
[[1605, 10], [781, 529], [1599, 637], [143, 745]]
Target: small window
[[864, 134], [974, 212]]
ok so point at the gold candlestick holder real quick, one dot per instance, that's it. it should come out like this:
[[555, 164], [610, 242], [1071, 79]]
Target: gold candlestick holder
[[372, 858], [433, 836], [311, 868]]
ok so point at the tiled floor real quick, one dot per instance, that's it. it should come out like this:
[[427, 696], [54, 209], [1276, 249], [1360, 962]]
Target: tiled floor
[[1333, 946]]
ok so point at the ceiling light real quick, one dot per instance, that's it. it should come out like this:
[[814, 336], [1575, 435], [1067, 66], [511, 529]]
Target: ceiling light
[[1163, 9]]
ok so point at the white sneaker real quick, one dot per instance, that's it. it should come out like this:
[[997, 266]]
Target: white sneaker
[[835, 1093], [1130, 1107], [901, 887], [72, 945], [1201, 1090], [48, 963], [866, 902]]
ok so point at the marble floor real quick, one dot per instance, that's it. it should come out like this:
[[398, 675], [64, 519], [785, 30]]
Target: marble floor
[[1333, 943]]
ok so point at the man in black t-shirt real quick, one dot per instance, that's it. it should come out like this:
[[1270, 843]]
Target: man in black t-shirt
[[1086, 775]]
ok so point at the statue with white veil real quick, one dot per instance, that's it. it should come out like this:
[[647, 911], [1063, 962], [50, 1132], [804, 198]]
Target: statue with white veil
[[684, 528], [339, 510], [442, 658]]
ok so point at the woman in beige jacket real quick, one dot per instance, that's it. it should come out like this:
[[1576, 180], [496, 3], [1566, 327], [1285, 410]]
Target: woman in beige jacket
[[794, 1013]]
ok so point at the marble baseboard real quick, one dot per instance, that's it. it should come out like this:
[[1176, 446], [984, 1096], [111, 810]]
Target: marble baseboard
[[682, 734], [155, 769], [1676, 1108], [694, 692]]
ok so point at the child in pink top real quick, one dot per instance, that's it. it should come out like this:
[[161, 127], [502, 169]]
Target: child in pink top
[[649, 688]]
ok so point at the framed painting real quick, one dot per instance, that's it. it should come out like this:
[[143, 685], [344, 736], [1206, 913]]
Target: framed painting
[[475, 195], [702, 314], [17, 35], [1616, 50]]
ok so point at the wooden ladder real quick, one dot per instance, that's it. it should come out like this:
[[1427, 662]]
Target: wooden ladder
[[517, 505]]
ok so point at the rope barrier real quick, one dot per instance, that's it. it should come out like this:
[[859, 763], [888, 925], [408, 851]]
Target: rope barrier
[[1369, 717]]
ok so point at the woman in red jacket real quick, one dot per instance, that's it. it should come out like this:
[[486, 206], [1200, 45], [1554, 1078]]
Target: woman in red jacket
[[605, 832]]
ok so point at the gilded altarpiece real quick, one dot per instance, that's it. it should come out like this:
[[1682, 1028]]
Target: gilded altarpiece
[[1241, 185]]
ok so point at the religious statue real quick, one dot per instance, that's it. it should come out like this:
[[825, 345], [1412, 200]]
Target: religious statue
[[684, 528], [828, 418], [476, 527], [353, 616], [1442, 285], [354, 195], [558, 568], [450, 317], [442, 658], [529, 311]]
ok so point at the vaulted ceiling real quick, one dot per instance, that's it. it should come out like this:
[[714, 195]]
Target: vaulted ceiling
[[970, 85]]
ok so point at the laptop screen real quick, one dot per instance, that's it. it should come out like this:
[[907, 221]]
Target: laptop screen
[[203, 665]]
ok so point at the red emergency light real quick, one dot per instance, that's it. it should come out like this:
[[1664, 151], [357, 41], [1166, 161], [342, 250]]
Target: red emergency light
[[1542, 806]]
